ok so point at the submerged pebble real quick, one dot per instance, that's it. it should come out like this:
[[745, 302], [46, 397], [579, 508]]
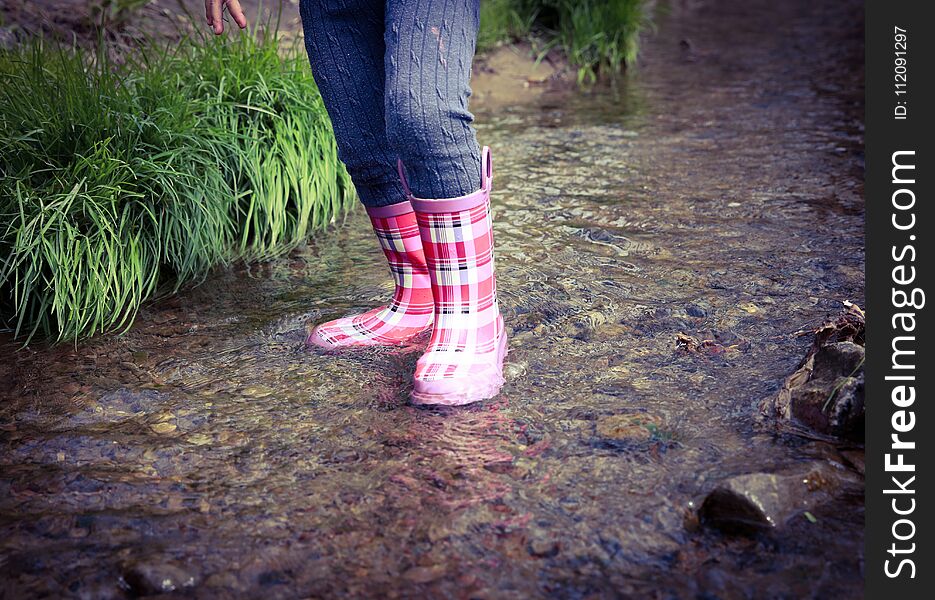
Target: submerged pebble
[[149, 578]]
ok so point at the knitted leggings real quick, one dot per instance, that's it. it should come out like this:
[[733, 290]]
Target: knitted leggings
[[394, 77]]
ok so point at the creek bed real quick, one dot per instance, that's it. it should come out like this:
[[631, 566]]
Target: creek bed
[[715, 192]]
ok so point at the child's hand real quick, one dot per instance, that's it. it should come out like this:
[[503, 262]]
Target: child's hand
[[214, 11]]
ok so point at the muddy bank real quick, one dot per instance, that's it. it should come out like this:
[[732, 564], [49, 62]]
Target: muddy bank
[[512, 76], [716, 194]]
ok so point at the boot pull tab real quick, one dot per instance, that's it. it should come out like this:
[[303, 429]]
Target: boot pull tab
[[486, 169]]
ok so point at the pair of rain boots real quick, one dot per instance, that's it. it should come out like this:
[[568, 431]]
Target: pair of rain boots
[[440, 253]]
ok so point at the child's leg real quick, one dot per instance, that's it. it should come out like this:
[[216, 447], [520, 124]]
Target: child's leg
[[345, 45], [344, 40], [429, 48]]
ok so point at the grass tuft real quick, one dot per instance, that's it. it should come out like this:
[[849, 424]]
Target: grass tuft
[[118, 182], [598, 36], [502, 21]]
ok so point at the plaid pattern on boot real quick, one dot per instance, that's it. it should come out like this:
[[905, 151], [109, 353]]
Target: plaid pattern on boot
[[464, 358], [409, 313]]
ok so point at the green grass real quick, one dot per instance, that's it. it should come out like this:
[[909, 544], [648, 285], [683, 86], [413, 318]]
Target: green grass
[[502, 21], [121, 182], [598, 36]]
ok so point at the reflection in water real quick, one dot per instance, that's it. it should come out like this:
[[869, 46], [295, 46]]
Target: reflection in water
[[716, 193]]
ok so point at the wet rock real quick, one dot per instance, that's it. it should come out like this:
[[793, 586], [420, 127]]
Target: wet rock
[[163, 428], [274, 577], [698, 309], [826, 392], [542, 547], [499, 466], [839, 359], [762, 501], [425, 574], [832, 400], [149, 578], [223, 579], [513, 371]]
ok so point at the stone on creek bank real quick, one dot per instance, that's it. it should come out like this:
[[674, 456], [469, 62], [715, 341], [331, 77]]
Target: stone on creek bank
[[832, 401], [756, 502], [146, 578], [826, 392]]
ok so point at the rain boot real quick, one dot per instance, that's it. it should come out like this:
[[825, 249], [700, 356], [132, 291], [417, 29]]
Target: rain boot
[[410, 311], [464, 359]]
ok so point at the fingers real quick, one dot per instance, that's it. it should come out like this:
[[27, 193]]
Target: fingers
[[214, 13], [234, 7], [216, 21]]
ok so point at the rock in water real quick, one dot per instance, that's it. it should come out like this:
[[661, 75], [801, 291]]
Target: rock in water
[[826, 392], [149, 578], [425, 574], [832, 400], [762, 501], [542, 544]]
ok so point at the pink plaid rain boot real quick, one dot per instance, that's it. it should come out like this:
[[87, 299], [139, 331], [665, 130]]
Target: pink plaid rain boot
[[464, 359], [409, 313]]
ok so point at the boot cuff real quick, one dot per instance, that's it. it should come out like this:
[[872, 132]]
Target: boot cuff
[[393, 210], [461, 203]]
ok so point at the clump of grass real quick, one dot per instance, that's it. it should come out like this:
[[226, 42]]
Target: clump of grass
[[118, 182], [277, 145], [501, 21], [598, 36]]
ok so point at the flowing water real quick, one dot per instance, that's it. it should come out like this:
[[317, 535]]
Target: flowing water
[[715, 192]]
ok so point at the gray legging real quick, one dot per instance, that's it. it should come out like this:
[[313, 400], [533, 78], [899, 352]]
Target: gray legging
[[394, 76]]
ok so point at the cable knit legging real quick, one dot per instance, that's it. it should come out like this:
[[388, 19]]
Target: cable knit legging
[[394, 76]]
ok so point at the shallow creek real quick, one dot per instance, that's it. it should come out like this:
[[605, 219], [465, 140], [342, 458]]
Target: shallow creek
[[716, 192]]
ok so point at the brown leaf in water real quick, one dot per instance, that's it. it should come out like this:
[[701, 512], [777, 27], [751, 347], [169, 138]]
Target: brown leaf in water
[[692, 345]]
